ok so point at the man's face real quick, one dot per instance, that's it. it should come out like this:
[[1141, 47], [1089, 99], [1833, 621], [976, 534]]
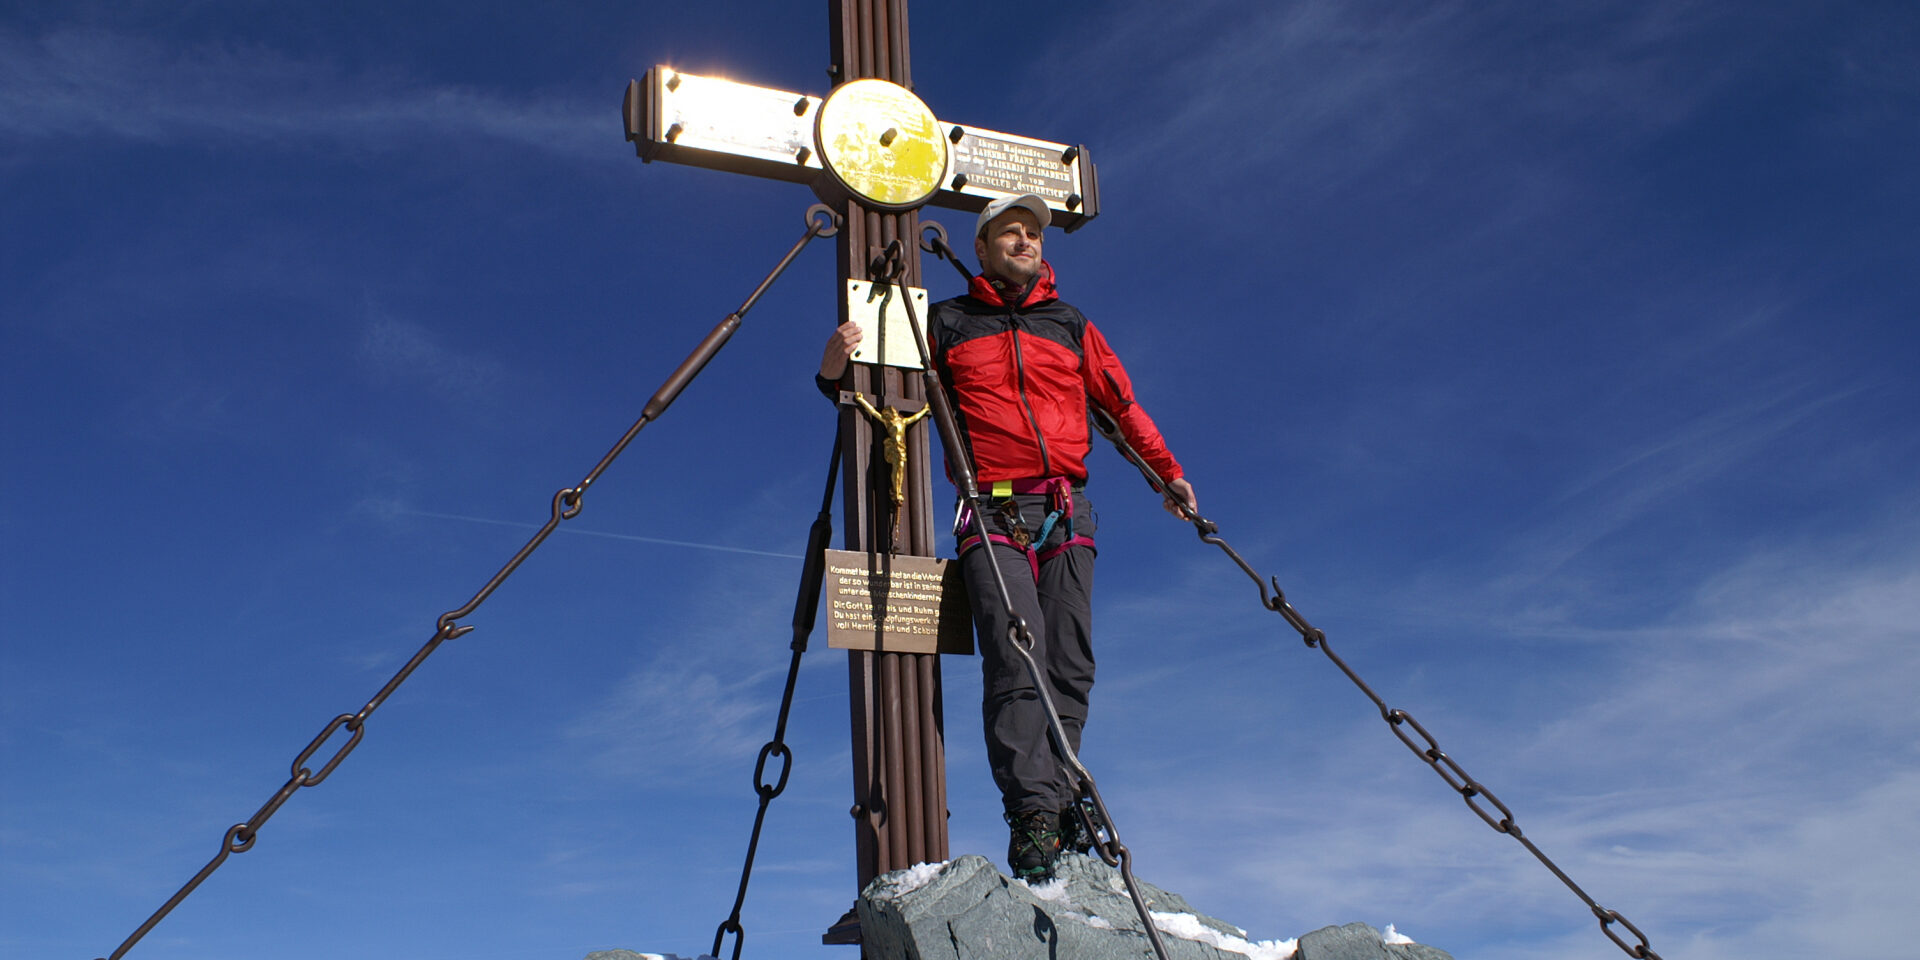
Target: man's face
[[1010, 248]]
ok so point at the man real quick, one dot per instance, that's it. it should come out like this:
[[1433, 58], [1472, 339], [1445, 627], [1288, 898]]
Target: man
[[1020, 366]]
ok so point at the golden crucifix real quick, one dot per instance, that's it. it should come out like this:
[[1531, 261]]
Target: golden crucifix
[[896, 442]]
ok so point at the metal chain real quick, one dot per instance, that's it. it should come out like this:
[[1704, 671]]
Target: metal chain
[[806, 608], [933, 239], [1020, 637], [821, 222], [1470, 790]]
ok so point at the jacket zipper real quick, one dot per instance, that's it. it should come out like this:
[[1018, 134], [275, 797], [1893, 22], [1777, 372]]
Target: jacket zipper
[[1020, 382]]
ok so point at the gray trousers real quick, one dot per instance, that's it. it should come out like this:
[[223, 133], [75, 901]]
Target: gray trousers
[[1058, 609]]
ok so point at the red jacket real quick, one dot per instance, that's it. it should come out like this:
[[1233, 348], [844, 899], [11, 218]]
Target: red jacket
[[1020, 377]]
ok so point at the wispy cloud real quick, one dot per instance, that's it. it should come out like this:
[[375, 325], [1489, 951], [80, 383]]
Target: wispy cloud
[[1617, 493], [1735, 774], [396, 349], [92, 83], [703, 702], [1307, 96], [633, 537], [178, 403], [676, 720]]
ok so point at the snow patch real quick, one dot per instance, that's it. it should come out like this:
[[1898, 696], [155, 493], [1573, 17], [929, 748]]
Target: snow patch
[[917, 876], [1186, 926], [1097, 923], [1052, 891]]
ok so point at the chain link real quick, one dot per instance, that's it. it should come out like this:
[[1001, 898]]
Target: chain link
[[806, 608], [821, 222], [1427, 748]]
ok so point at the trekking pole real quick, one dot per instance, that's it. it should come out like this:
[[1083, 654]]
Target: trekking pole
[[888, 269]]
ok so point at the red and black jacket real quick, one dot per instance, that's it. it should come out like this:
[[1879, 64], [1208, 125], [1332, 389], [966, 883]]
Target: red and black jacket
[[1020, 376]]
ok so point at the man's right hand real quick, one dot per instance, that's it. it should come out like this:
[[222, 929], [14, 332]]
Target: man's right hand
[[840, 347], [1179, 493]]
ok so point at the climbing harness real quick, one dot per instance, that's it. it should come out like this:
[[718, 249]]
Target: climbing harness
[[1059, 493], [1449, 770], [821, 222], [888, 269]]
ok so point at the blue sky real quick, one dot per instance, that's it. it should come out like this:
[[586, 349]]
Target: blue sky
[[1557, 358]]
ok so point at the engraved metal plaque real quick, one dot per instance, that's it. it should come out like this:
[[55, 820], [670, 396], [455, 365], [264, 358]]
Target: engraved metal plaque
[[895, 604], [863, 308], [993, 165]]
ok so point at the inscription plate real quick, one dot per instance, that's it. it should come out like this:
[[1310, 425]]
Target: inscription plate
[[1004, 165], [864, 309], [895, 604]]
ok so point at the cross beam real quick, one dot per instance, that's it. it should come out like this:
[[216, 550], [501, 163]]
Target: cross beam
[[725, 125]]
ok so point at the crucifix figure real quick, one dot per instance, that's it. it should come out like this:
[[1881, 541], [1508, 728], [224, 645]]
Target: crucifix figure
[[877, 153], [896, 440]]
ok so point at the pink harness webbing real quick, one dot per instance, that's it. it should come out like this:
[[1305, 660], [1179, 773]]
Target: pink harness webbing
[[1059, 490]]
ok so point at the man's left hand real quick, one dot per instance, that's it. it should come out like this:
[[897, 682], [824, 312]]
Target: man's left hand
[[1180, 492]]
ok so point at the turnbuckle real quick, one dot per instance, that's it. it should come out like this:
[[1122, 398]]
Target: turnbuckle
[[567, 503]]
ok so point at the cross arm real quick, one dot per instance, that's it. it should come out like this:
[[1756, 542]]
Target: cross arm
[[726, 125]]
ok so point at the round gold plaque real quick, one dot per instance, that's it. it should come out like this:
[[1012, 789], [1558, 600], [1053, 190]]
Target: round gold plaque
[[881, 143]]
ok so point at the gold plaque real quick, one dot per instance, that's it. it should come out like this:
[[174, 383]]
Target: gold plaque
[[896, 604], [882, 144]]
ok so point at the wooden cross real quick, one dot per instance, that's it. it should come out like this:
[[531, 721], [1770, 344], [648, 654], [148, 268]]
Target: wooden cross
[[873, 151]]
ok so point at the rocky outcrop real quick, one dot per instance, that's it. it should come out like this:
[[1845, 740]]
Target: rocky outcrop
[[967, 910]]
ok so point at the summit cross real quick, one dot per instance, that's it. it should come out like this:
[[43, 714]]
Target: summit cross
[[872, 151]]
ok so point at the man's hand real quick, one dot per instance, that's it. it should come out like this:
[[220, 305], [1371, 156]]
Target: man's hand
[[840, 346], [1182, 490]]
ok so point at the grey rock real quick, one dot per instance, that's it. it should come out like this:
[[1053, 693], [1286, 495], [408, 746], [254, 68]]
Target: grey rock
[[1358, 941], [1416, 951], [968, 910]]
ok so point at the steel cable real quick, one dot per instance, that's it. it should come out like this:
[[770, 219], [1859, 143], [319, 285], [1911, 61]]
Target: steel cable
[[566, 504], [1449, 770]]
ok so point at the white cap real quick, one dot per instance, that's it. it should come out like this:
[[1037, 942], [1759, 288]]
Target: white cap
[[1033, 204]]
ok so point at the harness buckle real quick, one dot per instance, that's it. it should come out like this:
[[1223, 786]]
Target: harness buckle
[[1016, 527]]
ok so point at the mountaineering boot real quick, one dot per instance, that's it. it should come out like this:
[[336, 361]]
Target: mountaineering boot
[[1034, 845], [1080, 827]]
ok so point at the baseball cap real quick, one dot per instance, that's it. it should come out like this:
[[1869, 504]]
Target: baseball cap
[[1035, 205]]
